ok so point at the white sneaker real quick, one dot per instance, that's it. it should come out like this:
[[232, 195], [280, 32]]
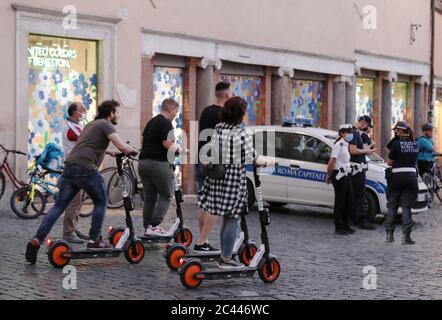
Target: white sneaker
[[154, 231]]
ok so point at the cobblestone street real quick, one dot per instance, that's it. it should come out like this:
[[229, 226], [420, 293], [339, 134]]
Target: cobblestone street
[[316, 264]]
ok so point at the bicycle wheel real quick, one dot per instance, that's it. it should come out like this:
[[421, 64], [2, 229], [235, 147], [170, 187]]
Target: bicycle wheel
[[24, 207], [2, 184], [87, 206], [438, 183], [428, 180], [115, 188]]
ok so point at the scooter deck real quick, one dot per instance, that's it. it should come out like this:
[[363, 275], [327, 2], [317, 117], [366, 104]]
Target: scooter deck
[[155, 239], [209, 256], [92, 254], [217, 273], [203, 254]]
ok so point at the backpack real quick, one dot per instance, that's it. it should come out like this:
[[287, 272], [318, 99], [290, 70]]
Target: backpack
[[51, 157]]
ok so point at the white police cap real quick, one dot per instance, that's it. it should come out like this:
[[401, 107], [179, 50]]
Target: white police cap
[[346, 127]]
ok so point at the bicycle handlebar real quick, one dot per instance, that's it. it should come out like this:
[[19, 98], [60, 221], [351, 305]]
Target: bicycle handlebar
[[12, 151]]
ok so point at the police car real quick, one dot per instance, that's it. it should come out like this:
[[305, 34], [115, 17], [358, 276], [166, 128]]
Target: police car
[[302, 153]]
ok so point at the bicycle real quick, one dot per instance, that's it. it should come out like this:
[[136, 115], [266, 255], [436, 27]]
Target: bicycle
[[117, 185], [433, 181], [30, 201], [6, 167]]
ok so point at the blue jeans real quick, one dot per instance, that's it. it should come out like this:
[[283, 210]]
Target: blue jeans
[[74, 179], [228, 234]]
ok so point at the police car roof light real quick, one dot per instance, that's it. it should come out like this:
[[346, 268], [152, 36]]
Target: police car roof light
[[298, 121]]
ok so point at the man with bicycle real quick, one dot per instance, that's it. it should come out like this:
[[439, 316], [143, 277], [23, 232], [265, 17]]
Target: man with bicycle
[[81, 173], [71, 133], [426, 157]]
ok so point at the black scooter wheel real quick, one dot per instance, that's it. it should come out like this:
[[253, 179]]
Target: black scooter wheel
[[115, 236], [173, 257], [246, 257], [184, 237], [134, 252], [188, 272], [269, 271], [55, 252]]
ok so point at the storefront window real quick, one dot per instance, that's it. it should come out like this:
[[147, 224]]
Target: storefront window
[[168, 83], [364, 97], [60, 71], [307, 99], [249, 88], [438, 124], [399, 96]]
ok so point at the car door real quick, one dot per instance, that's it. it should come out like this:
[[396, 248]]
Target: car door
[[308, 171], [273, 185]]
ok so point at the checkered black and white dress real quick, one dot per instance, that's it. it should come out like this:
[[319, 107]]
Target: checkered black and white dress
[[228, 197]]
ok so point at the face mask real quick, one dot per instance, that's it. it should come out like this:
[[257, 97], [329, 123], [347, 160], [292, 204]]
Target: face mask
[[83, 116], [349, 137]]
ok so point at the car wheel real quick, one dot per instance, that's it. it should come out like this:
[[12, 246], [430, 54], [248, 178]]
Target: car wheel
[[250, 194], [372, 207]]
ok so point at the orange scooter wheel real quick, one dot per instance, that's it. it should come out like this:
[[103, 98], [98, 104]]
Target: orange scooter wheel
[[173, 257], [188, 273], [134, 253], [246, 257], [269, 271], [115, 236], [184, 237], [55, 254]]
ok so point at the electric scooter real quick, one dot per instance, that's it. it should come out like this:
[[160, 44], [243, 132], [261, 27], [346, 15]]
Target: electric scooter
[[245, 249], [193, 271], [178, 232], [60, 252]]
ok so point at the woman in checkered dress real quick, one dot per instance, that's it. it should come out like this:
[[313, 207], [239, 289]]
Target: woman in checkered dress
[[228, 197]]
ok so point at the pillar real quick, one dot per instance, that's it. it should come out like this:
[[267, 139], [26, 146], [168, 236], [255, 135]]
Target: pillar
[[146, 91], [339, 100], [350, 102], [386, 133], [280, 98], [419, 108], [205, 89], [189, 114]]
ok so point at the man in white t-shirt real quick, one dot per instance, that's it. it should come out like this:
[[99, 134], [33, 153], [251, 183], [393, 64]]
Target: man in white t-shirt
[[71, 133]]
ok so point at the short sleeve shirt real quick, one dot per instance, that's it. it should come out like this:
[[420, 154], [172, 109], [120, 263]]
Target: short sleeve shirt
[[404, 153], [357, 141], [92, 144], [341, 153], [210, 117], [157, 130]]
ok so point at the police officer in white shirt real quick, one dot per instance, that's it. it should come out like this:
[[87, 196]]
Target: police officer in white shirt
[[338, 173]]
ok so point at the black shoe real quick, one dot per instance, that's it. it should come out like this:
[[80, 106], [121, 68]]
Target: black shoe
[[366, 226], [350, 230], [32, 250], [390, 236], [407, 240], [204, 247], [211, 248], [341, 232]]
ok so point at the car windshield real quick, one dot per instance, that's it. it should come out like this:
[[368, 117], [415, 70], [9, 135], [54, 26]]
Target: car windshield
[[371, 157]]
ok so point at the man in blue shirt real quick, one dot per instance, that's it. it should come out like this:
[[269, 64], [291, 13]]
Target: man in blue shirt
[[426, 157]]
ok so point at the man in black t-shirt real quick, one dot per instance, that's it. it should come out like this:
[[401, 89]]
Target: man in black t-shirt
[[210, 117], [359, 163], [155, 169]]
